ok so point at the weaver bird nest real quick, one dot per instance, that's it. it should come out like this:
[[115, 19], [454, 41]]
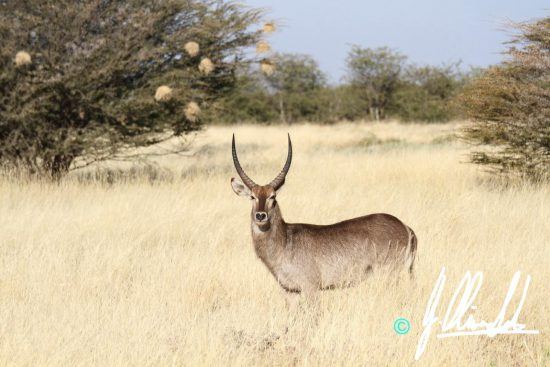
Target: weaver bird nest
[[263, 47], [192, 111], [206, 66], [22, 58], [192, 48], [267, 67], [163, 93], [269, 27]]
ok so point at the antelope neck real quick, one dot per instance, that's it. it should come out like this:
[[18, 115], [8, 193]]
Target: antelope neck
[[270, 244]]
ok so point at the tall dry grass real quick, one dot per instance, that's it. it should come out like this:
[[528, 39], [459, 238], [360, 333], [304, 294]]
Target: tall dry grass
[[160, 270]]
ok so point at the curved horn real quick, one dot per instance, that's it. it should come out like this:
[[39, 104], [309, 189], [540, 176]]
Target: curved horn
[[246, 180], [280, 179]]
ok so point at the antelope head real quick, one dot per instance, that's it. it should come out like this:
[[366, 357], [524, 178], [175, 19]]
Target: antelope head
[[263, 198]]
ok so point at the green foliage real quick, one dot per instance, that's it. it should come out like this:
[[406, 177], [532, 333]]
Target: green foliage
[[379, 84], [248, 102], [298, 91], [296, 73], [342, 102], [375, 74], [87, 91], [295, 91], [510, 107], [426, 93], [295, 84]]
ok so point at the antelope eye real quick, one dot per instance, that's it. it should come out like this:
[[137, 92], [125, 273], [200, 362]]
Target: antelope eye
[[252, 198]]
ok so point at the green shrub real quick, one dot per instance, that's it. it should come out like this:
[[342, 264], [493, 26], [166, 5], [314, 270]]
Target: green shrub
[[426, 93]]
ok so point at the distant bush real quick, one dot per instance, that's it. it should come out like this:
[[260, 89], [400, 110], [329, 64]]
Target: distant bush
[[248, 102], [510, 107], [426, 93], [295, 91], [379, 84]]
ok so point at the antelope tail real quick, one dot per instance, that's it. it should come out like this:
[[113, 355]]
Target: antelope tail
[[410, 253]]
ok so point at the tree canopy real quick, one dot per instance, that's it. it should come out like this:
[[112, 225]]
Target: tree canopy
[[510, 107], [375, 75], [82, 81]]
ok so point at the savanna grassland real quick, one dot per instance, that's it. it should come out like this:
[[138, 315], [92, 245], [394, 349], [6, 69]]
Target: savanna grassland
[[155, 266]]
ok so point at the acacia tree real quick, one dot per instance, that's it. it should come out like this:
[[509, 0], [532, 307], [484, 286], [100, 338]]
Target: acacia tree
[[375, 73], [79, 80], [509, 105]]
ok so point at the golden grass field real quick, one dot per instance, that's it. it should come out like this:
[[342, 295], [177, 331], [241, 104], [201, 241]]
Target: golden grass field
[[159, 269]]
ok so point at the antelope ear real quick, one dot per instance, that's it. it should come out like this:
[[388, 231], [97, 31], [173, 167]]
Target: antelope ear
[[240, 188]]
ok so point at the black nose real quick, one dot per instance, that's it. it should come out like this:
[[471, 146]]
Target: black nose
[[261, 216]]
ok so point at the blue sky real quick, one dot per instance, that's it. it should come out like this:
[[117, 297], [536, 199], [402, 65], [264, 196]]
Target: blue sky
[[428, 31]]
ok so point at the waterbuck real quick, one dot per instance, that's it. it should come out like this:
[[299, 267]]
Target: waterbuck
[[307, 257]]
